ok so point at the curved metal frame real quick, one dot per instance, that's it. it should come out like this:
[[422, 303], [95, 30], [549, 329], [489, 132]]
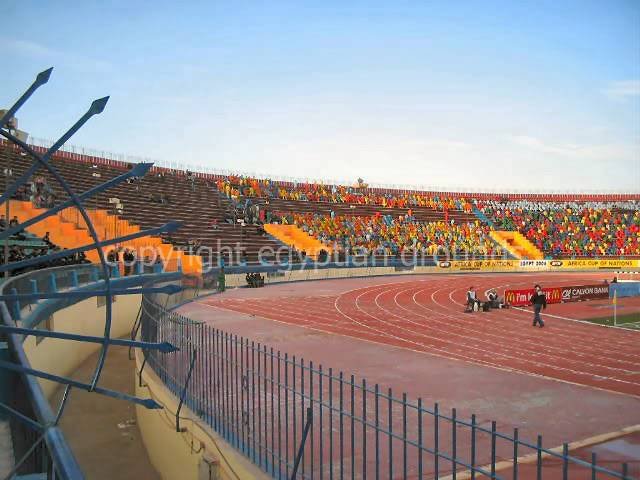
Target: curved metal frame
[[106, 290]]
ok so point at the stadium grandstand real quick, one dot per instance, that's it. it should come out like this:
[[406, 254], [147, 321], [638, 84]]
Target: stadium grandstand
[[257, 227], [205, 317], [223, 217]]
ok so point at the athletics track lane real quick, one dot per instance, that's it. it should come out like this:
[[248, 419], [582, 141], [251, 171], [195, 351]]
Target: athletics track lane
[[425, 315]]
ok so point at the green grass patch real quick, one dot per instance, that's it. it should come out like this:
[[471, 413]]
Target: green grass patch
[[627, 320]]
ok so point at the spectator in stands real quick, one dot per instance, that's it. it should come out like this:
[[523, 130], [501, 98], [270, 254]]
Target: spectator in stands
[[129, 259], [3, 223], [192, 178], [47, 240], [229, 215], [19, 235], [113, 257]]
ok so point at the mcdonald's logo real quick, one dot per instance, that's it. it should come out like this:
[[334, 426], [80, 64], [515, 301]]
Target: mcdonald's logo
[[510, 296], [554, 294]]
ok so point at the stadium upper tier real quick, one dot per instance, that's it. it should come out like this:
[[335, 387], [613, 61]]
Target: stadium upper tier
[[212, 207]]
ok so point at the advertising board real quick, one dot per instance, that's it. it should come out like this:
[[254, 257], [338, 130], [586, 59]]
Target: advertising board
[[520, 297], [585, 292]]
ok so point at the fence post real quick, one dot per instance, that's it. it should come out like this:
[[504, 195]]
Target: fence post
[[286, 414], [16, 306], [341, 426], [515, 454], [52, 282], [364, 428], [473, 446], [302, 442], [390, 433], [353, 429], [436, 439], [539, 459], [404, 435], [184, 390], [493, 449], [454, 445]]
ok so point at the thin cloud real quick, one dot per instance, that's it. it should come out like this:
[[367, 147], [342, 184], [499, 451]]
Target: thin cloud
[[623, 89], [70, 59], [576, 151]]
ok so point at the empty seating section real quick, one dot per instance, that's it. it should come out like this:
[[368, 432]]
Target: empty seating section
[[572, 229], [196, 205]]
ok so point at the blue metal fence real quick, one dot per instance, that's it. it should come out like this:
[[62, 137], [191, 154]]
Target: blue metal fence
[[258, 400]]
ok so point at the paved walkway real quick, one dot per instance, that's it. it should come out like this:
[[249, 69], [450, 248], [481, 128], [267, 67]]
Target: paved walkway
[[102, 431]]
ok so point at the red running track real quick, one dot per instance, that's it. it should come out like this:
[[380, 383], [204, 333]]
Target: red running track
[[425, 314]]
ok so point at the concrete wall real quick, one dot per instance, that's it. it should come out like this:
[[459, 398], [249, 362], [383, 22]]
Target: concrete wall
[[63, 357], [238, 280], [197, 452]]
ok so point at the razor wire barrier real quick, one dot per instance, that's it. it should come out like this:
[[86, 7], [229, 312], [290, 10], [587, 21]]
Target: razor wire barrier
[[47, 452], [256, 399]]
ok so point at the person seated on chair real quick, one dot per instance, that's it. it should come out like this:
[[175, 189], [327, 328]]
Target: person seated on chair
[[472, 299], [492, 297]]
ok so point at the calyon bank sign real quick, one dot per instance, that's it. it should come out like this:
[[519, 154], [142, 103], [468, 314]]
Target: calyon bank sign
[[585, 292], [575, 293]]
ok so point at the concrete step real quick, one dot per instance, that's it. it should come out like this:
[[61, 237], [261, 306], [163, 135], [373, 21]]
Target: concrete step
[[6, 449]]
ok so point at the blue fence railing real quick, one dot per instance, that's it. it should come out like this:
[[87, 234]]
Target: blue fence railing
[[38, 444], [258, 399], [41, 451]]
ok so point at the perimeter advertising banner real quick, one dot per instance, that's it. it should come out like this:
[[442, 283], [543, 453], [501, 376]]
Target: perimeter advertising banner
[[534, 265], [593, 264], [479, 265], [585, 292], [537, 265], [520, 298]]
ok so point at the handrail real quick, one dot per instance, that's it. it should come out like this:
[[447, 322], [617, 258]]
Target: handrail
[[61, 455], [64, 461]]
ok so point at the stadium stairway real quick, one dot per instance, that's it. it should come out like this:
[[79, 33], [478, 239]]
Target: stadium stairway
[[67, 229], [195, 205], [517, 245], [299, 239]]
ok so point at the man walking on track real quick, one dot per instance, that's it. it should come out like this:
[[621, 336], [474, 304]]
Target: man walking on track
[[539, 301]]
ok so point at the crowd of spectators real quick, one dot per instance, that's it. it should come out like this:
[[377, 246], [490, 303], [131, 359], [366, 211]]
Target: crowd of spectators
[[38, 192], [129, 262], [567, 229], [22, 246], [236, 187], [571, 229], [387, 235]]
